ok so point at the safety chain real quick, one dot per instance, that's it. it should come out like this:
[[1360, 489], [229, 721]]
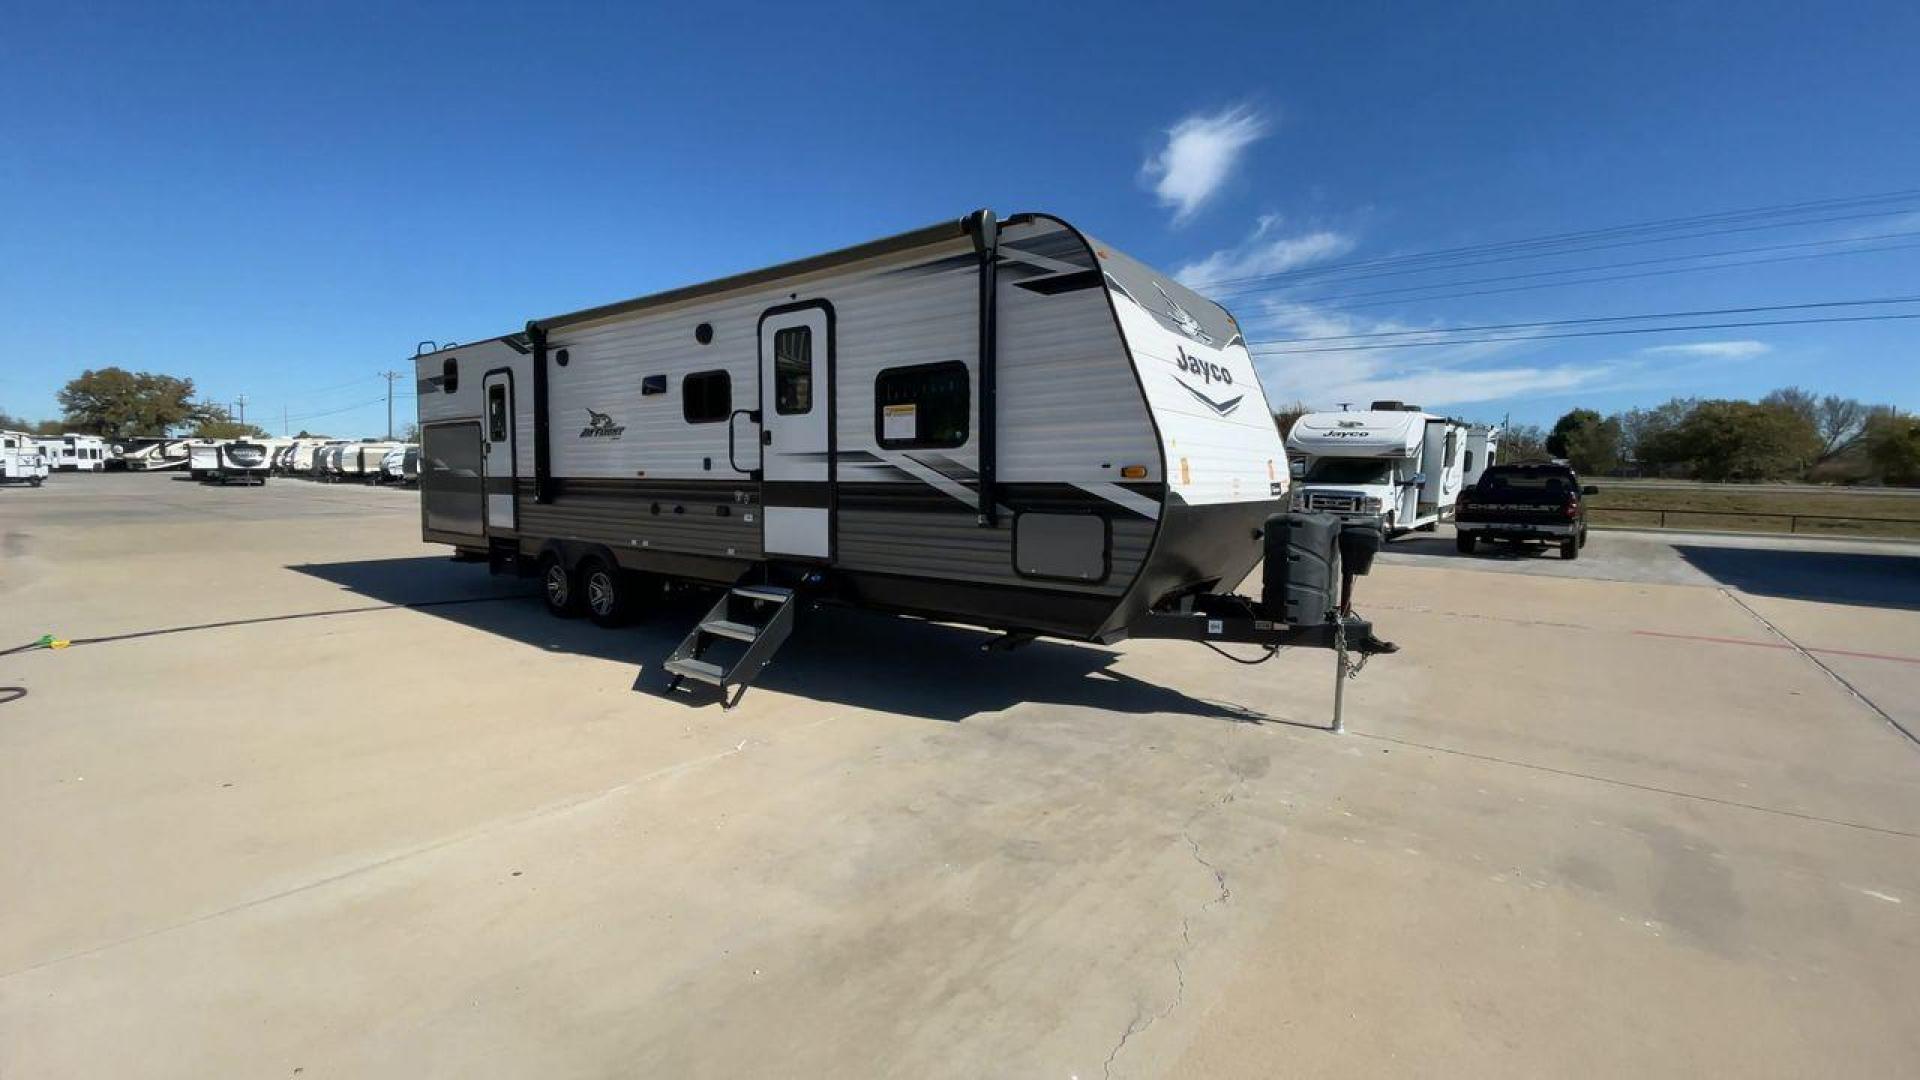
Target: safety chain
[[1340, 646]]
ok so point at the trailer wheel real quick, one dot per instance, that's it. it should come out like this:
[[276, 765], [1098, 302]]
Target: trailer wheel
[[606, 592], [556, 587], [1570, 548], [1463, 542]]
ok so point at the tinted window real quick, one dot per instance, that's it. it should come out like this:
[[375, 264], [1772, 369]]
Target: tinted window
[[793, 370], [926, 406], [449, 375], [706, 397]]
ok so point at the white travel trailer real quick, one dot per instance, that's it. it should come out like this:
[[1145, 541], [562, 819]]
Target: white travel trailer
[[1008, 424], [21, 459], [301, 460], [1393, 461], [1483, 446], [243, 461], [401, 465], [203, 458], [365, 461], [76, 453]]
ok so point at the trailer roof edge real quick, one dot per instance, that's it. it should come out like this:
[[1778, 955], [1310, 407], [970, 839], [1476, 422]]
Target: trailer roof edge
[[952, 229]]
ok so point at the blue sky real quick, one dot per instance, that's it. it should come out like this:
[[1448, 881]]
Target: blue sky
[[280, 200]]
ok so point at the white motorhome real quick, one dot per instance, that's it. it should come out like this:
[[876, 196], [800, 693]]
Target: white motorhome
[[1392, 460], [1008, 424], [76, 453], [21, 459]]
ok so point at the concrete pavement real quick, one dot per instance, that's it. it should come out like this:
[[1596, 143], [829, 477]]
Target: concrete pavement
[[1580, 826]]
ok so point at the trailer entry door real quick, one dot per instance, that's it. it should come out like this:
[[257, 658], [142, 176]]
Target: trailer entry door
[[497, 446], [796, 408]]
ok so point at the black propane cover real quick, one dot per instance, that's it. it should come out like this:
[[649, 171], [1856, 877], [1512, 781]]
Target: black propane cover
[[1360, 541], [1300, 579]]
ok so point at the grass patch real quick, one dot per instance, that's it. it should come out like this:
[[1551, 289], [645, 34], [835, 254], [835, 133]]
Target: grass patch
[[1737, 508]]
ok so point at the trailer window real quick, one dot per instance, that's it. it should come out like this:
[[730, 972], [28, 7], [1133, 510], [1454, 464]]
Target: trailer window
[[793, 371], [1453, 448], [926, 405], [706, 397], [449, 375]]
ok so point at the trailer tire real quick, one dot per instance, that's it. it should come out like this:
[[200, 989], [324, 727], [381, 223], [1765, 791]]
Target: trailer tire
[[1570, 548], [556, 587], [1463, 542], [606, 593]]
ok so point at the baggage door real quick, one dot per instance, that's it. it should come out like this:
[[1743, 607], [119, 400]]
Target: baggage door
[[497, 449], [796, 409]]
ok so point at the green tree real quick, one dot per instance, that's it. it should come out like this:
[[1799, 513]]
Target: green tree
[[1642, 432], [1589, 442], [215, 422], [1741, 441], [1892, 440], [116, 402]]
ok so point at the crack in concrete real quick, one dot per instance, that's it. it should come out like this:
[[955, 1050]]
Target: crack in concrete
[[1222, 896]]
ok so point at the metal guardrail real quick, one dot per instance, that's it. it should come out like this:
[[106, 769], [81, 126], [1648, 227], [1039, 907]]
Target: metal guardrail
[[1793, 520]]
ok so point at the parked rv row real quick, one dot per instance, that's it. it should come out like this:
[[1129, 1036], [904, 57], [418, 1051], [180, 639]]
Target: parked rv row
[[252, 461], [29, 460]]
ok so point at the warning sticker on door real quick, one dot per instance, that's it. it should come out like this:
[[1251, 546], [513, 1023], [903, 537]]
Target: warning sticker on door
[[899, 422]]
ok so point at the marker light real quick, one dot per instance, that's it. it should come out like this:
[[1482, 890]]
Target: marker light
[[1133, 472]]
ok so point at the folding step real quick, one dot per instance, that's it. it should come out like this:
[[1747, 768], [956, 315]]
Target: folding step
[[727, 628], [728, 648], [697, 669]]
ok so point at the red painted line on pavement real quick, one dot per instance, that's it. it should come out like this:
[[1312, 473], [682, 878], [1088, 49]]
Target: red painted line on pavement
[[1779, 645]]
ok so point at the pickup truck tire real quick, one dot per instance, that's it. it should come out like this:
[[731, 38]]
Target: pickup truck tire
[[1583, 538], [1570, 548], [1463, 542]]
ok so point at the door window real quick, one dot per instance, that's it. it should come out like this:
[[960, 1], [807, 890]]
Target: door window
[[497, 412], [793, 370]]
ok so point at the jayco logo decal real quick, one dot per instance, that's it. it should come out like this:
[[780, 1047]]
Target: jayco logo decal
[[1208, 374], [1184, 319], [601, 426]]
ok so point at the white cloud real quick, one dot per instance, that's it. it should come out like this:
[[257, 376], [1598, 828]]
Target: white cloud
[[1437, 377], [1713, 350], [1200, 153], [1259, 254]]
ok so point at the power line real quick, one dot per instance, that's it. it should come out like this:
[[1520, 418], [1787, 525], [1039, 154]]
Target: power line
[[1754, 218], [1587, 333], [1604, 279], [1593, 319], [1617, 266]]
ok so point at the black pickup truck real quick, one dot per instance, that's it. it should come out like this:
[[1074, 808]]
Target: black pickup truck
[[1530, 503]]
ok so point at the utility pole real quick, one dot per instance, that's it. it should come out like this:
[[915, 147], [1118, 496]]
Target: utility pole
[[389, 376], [241, 402], [284, 428]]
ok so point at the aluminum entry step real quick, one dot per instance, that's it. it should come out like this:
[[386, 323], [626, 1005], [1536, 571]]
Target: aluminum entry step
[[696, 669], [727, 628], [770, 593]]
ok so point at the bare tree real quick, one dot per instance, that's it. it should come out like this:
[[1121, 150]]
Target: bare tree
[[1841, 423]]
